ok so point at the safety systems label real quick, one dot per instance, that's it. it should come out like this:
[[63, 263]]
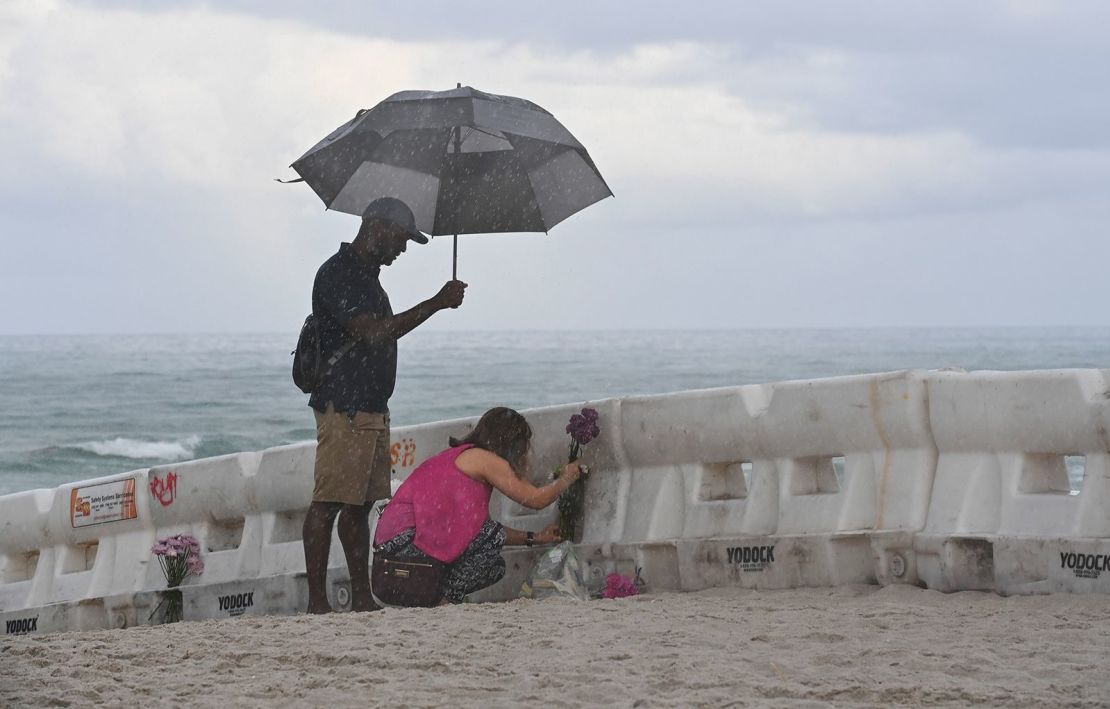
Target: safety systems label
[[105, 502]]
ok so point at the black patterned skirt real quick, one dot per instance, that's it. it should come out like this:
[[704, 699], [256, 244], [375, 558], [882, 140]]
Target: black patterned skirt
[[480, 566]]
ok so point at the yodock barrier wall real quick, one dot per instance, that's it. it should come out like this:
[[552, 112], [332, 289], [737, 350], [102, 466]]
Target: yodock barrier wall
[[943, 479], [78, 557], [1003, 515]]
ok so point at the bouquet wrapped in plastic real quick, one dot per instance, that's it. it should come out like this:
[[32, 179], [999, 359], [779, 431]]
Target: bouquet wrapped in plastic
[[556, 574]]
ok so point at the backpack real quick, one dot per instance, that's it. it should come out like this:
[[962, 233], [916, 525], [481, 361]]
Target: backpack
[[309, 366]]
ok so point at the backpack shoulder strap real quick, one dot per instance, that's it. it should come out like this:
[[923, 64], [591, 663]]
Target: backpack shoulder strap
[[338, 354]]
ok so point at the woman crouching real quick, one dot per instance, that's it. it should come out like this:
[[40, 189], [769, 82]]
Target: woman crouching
[[439, 518]]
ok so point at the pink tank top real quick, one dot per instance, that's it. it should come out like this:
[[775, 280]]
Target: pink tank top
[[444, 504]]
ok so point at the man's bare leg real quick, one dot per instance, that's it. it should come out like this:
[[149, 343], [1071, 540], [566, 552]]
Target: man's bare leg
[[354, 534], [316, 534]]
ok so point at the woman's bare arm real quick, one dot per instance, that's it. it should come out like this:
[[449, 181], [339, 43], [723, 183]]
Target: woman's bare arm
[[495, 470]]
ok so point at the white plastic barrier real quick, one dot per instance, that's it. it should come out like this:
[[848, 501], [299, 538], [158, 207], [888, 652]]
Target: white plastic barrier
[[738, 485], [79, 555], [950, 480], [1002, 515], [746, 479]]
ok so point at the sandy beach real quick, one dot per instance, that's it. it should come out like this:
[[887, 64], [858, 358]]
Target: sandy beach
[[859, 646]]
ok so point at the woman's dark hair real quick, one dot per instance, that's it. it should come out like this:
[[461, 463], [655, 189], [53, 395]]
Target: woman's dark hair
[[503, 432]]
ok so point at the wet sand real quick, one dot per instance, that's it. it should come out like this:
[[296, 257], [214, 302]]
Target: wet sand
[[856, 646]]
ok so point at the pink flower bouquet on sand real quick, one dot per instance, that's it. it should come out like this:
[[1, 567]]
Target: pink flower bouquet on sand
[[620, 586], [179, 557]]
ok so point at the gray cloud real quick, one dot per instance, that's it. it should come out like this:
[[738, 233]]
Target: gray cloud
[[1011, 73], [853, 164]]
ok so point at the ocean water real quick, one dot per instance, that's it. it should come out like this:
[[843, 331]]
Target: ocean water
[[75, 407]]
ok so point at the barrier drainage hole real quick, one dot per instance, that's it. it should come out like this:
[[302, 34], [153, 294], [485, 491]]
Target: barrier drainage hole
[[897, 565]]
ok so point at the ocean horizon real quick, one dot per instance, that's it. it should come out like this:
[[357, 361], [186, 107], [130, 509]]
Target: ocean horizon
[[81, 406]]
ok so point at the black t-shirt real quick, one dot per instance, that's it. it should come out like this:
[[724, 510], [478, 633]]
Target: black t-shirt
[[363, 379]]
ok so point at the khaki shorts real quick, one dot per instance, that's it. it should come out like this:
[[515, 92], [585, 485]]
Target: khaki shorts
[[352, 457]]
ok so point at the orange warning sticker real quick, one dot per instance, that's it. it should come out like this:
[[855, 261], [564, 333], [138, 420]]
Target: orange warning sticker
[[105, 502]]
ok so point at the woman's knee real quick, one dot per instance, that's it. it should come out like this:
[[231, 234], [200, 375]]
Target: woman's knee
[[497, 572], [489, 573]]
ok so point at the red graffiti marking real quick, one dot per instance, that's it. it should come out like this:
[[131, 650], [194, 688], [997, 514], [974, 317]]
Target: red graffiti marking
[[403, 453], [165, 491]]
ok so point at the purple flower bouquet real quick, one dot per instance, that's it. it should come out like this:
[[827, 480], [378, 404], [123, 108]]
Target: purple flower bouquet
[[583, 428]]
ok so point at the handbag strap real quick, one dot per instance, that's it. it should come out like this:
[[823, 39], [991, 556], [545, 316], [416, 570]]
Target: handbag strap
[[376, 514]]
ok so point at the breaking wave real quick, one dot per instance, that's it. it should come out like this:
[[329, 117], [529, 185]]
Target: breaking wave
[[131, 448]]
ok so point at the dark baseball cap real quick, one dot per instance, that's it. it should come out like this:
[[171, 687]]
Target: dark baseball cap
[[393, 210]]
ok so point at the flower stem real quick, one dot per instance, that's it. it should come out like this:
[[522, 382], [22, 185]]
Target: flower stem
[[570, 502]]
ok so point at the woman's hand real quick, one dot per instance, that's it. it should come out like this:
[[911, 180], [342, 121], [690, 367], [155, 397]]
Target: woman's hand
[[550, 535], [571, 471]]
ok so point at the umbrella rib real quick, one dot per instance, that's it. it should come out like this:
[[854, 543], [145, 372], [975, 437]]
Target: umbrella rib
[[486, 132], [475, 129]]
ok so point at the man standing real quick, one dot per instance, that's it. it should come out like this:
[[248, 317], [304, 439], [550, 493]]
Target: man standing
[[351, 401]]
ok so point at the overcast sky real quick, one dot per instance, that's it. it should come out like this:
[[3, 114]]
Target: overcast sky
[[775, 164]]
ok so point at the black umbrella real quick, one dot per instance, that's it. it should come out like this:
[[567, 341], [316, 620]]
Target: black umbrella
[[465, 162]]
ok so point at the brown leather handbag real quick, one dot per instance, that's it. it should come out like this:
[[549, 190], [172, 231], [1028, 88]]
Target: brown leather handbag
[[408, 582]]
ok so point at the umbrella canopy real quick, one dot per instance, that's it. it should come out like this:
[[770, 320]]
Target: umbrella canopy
[[463, 160]]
